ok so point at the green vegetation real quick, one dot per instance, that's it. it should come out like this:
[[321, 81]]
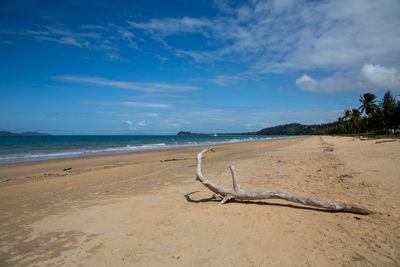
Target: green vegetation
[[189, 133], [371, 118], [295, 129]]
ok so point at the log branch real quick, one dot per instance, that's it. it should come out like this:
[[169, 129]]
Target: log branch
[[239, 194]]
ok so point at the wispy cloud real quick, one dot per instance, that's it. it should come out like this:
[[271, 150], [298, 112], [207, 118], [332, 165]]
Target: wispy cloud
[[105, 39], [149, 87], [234, 79], [126, 104], [63, 35], [171, 26], [124, 33], [334, 37], [161, 58]]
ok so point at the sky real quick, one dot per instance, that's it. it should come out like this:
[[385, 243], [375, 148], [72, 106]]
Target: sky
[[159, 67]]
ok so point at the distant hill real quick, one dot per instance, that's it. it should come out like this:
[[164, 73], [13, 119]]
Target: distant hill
[[190, 133], [295, 129], [187, 133], [287, 129], [6, 133]]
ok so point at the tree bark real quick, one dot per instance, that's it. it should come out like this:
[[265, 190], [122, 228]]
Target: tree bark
[[239, 194]]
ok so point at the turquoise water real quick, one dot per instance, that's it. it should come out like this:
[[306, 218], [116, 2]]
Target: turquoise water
[[31, 148]]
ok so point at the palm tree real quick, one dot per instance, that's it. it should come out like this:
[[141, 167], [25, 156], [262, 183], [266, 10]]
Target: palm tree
[[388, 107], [340, 125], [368, 103], [355, 118], [346, 114], [346, 118], [372, 110], [397, 115]]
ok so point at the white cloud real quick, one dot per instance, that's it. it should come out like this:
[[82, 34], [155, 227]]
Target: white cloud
[[149, 87], [131, 125], [127, 122], [381, 76], [330, 84], [126, 103], [307, 83], [335, 36], [142, 123]]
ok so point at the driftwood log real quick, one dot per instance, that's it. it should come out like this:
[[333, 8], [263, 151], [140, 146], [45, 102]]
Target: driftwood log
[[239, 194]]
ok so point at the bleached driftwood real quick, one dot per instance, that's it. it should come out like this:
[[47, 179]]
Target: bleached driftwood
[[239, 194]]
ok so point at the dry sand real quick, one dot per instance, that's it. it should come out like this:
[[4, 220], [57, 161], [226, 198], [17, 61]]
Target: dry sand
[[146, 208]]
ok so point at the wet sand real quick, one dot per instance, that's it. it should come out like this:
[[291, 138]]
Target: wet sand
[[146, 209]]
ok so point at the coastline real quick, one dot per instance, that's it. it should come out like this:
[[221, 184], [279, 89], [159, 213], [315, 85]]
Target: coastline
[[14, 149], [145, 208], [17, 169]]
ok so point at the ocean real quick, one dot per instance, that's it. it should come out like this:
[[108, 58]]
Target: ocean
[[31, 148]]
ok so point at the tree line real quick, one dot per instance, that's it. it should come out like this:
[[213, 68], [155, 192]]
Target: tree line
[[372, 116]]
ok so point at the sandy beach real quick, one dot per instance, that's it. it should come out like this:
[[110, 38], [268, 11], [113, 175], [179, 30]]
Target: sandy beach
[[147, 209]]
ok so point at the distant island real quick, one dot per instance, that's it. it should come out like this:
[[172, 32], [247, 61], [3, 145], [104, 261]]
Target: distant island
[[6, 133], [287, 129]]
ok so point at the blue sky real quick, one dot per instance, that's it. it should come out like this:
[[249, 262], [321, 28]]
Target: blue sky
[[158, 67]]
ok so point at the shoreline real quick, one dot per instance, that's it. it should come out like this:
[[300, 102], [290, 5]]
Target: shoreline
[[56, 164], [17, 170], [114, 146], [146, 208]]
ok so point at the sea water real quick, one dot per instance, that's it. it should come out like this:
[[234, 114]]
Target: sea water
[[31, 148]]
